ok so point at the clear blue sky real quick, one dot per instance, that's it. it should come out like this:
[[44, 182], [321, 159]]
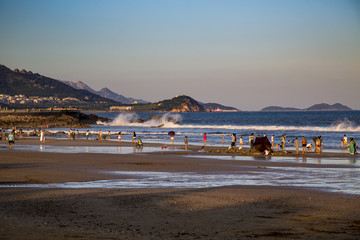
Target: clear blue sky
[[246, 54]]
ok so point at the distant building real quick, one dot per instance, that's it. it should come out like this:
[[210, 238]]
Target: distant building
[[120, 108]]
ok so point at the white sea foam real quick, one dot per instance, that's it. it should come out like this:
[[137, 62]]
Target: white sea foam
[[169, 120]]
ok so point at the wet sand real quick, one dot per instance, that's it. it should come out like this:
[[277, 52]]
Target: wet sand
[[233, 212]]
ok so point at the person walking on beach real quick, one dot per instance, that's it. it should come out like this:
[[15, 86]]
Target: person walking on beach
[[134, 138], [304, 143], [240, 143], [119, 137], [204, 139], [109, 135], [186, 143], [272, 141], [11, 139], [297, 145], [42, 136], [87, 135]]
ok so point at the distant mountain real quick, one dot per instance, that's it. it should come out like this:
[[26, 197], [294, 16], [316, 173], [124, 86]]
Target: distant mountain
[[180, 103], [29, 84], [217, 106], [327, 107], [105, 92], [316, 107]]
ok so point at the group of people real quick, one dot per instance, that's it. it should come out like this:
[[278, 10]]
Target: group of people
[[349, 143]]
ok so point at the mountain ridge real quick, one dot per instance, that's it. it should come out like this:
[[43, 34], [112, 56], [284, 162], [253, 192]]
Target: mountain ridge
[[105, 92], [33, 84], [315, 107]]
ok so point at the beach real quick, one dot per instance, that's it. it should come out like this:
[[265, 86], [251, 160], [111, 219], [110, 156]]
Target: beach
[[227, 212]]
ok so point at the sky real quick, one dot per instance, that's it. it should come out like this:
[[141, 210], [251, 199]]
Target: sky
[[248, 54]]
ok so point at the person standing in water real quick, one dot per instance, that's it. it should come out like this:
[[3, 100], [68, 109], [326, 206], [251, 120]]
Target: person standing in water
[[223, 139], [240, 142], [204, 139], [352, 146], [297, 145], [233, 140], [345, 141], [119, 137], [186, 143], [272, 141], [304, 143], [251, 140]]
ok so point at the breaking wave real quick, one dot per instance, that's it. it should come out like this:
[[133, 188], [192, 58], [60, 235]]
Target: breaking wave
[[167, 120], [170, 120]]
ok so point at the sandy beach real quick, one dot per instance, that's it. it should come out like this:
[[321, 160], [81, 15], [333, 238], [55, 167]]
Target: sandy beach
[[229, 212]]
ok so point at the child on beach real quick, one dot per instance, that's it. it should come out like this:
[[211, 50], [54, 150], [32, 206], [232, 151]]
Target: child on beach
[[204, 139], [11, 139], [134, 138]]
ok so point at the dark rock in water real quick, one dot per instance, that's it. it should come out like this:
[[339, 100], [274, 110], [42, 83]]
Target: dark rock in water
[[154, 117], [138, 120], [172, 119]]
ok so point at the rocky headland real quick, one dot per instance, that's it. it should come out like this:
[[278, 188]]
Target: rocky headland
[[73, 119]]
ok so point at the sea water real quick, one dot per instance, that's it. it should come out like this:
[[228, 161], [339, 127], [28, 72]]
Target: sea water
[[331, 125]]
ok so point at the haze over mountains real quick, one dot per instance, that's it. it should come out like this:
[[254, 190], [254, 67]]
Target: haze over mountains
[[24, 89], [105, 92]]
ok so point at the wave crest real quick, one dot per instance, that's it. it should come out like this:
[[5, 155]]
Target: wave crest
[[131, 119]]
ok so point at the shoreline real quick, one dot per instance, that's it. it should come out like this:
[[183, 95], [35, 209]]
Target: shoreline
[[208, 150], [228, 212]]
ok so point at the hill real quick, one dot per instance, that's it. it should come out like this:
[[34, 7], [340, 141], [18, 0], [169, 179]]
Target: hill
[[316, 107], [105, 92], [180, 103], [328, 107], [45, 89]]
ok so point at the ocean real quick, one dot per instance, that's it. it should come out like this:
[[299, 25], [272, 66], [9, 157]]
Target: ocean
[[331, 125]]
